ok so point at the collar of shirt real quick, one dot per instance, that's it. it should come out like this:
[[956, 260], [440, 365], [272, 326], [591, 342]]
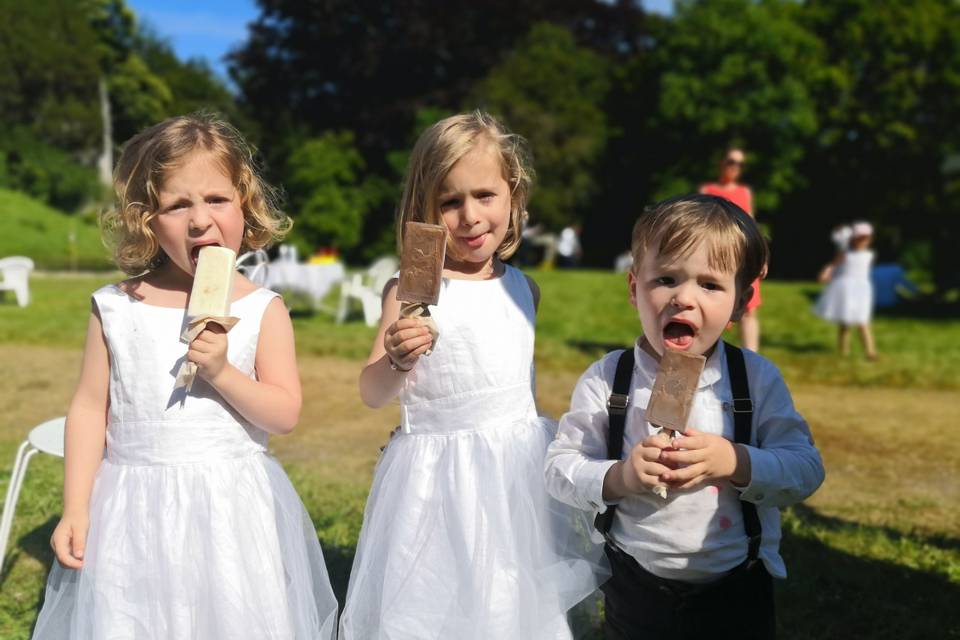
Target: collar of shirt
[[646, 365]]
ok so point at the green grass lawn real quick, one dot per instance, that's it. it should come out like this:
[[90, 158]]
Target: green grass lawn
[[874, 554], [52, 239]]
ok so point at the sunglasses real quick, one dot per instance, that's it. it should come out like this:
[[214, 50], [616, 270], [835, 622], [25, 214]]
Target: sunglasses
[[730, 162]]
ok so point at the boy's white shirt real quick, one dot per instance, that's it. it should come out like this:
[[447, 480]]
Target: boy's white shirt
[[695, 535]]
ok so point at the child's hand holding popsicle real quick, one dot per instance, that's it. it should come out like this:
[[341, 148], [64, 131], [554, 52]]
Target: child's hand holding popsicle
[[421, 273], [700, 457], [209, 352]]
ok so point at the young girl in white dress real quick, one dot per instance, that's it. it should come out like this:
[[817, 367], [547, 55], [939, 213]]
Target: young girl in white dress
[[848, 297], [184, 527], [459, 538]]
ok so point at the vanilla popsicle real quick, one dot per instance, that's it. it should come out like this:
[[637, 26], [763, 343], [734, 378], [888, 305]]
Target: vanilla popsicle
[[209, 302], [213, 283]]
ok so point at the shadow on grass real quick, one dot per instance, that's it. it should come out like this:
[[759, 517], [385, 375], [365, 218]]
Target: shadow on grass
[[829, 593], [833, 594]]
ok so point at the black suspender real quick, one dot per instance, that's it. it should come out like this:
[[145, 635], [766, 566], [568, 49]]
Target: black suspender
[[742, 427], [617, 410]]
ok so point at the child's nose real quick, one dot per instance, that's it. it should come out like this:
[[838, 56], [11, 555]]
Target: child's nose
[[683, 296], [200, 219], [469, 213]]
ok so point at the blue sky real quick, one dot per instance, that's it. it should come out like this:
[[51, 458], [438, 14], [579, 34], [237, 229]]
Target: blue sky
[[210, 28]]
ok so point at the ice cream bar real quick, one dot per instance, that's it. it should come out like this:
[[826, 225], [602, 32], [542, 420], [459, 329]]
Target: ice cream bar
[[213, 283], [421, 262], [672, 395], [209, 302]]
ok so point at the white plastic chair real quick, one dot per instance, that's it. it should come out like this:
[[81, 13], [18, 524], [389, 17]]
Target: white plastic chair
[[46, 437], [253, 265], [367, 287], [16, 277]]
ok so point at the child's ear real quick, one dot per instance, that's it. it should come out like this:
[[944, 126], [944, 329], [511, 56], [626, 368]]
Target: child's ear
[[741, 306], [632, 285]]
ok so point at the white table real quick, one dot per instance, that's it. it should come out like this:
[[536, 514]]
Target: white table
[[315, 280]]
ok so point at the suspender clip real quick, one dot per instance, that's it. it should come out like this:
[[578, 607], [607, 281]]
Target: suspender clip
[[742, 405], [618, 403]]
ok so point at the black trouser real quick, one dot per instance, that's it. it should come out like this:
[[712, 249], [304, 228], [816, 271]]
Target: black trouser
[[641, 605]]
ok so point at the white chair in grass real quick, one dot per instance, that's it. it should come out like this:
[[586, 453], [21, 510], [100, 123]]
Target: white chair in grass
[[367, 287], [46, 437], [15, 272], [254, 265]]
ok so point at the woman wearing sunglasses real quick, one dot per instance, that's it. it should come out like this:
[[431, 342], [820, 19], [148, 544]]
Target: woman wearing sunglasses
[[727, 187]]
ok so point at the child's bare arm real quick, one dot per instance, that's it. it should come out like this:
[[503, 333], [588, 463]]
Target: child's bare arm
[[83, 446], [403, 341], [271, 402]]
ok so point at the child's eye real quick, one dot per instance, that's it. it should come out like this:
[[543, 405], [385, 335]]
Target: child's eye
[[711, 286], [176, 206], [452, 203], [486, 197], [665, 281]]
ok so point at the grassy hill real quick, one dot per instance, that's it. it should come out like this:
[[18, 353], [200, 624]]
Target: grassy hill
[[30, 228]]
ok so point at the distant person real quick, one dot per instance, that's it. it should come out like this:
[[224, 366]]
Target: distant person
[[727, 187], [569, 251], [185, 526], [460, 539], [697, 564], [848, 296]]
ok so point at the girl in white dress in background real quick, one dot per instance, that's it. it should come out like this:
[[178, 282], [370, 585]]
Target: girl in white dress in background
[[459, 538], [186, 527], [848, 297]]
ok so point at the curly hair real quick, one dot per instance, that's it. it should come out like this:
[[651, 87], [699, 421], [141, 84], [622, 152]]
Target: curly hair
[[147, 160], [440, 147]]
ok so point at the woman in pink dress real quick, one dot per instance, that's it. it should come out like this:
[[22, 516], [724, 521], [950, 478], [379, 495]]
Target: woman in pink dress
[[727, 187]]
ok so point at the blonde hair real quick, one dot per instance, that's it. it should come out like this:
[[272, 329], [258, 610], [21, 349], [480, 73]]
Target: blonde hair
[[147, 160], [677, 226], [440, 147]]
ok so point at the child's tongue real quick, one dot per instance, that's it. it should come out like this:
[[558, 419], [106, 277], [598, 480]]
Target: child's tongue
[[678, 335]]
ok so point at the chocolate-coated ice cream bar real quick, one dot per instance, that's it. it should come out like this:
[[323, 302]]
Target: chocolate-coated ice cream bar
[[673, 390], [421, 262]]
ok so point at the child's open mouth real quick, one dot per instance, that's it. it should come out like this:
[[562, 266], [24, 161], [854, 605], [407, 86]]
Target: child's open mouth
[[195, 252], [678, 335]]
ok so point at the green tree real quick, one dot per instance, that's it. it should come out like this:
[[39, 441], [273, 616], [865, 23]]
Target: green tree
[[329, 195], [551, 91], [888, 119], [735, 72]]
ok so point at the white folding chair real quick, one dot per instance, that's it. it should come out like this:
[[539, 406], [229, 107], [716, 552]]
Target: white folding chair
[[253, 265], [15, 271], [46, 437], [367, 287]]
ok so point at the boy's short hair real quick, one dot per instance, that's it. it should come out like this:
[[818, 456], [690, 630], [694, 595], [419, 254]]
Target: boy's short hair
[[676, 226]]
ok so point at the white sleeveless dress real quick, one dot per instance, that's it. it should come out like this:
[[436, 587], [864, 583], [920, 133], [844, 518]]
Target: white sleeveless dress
[[195, 531], [460, 539], [848, 297]]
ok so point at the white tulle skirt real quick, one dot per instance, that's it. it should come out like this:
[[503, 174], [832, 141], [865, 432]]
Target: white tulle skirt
[[460, 540], [846, 301], [219, 550]]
